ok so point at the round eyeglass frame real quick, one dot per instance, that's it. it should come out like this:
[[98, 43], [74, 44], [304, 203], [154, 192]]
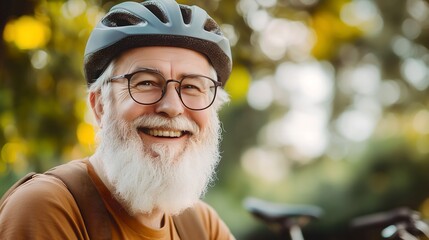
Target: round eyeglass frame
[[164, 89]]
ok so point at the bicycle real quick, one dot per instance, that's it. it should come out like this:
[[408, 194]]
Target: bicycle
[[289, 218], [397, 224], [400, 223]]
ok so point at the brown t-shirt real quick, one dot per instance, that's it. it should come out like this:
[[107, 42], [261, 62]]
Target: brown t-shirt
[[43, 208]]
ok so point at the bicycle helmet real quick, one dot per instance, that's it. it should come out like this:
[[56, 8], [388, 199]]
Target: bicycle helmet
[[156, 23]]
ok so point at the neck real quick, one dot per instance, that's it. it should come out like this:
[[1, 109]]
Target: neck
[[153, 220]]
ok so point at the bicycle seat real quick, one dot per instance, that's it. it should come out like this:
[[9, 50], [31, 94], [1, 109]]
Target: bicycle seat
[[281, 213], [384, 219]]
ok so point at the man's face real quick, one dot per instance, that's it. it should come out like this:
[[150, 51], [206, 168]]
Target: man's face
[[172, 63], [159, 156]]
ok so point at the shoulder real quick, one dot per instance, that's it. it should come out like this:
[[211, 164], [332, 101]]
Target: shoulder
[[40, 196], [212, 222], [39, 189], [205, 210], [45, 190], [43, 208]]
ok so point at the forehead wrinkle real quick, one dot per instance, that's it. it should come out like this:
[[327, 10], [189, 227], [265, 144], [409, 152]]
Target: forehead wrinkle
[[194, 71], [142, 64], [169, 68]]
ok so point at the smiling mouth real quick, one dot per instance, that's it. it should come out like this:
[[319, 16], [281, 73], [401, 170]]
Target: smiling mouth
[[163, 133]]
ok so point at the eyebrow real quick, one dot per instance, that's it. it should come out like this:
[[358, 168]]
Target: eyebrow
[[156, 70]]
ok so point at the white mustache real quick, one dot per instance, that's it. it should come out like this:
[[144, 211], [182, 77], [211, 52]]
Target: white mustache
[[180, 123]]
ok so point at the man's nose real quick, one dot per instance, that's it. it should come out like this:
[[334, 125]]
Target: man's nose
[[170, 104]]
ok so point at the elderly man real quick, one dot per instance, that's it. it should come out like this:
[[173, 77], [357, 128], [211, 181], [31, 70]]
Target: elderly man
[[155, 72]]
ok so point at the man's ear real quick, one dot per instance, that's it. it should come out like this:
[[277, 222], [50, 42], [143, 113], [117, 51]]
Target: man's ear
[[96, 106]]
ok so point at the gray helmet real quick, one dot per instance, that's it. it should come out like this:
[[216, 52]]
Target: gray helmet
[[156, 23]]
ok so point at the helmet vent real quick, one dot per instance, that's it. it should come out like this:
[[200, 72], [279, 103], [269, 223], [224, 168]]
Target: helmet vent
[[211, 26], [120, 19], [186, 14], [157, 11]]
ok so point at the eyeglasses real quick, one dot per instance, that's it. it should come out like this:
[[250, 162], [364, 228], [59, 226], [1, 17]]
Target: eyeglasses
[[148, 86]]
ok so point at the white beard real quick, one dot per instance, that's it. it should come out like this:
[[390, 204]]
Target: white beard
[[159, 176]]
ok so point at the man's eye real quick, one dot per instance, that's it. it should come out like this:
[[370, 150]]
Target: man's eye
[[189, 86], [146, 84]]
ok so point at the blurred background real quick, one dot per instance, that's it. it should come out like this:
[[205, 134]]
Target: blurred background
[[329, 103]]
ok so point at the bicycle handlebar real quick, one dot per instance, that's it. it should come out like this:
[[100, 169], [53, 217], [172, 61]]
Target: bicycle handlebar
[[385, 219], [401, 222]]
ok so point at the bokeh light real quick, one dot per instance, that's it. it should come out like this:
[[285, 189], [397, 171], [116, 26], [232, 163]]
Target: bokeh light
[[27, 33]]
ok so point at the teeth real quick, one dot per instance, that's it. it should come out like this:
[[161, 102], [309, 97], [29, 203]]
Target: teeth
[[164, 133]]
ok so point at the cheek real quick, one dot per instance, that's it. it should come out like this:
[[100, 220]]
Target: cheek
[[127, 109], [202, 118], [130, 110]]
